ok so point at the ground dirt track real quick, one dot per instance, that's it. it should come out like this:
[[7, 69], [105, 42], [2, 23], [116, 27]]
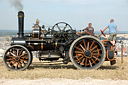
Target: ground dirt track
[[43, 73]]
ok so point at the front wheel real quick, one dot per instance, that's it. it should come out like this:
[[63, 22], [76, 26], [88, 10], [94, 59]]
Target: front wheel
[[87, 52], [17, 57]]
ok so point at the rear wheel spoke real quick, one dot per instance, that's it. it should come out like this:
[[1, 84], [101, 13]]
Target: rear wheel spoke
[[79, 59], [96, 58], [82, 47], [91, 45], [79, 55], [92, 60], [95, 51], [90, 63], [84, 44], [96, 54], [83, 61], [79, 49], [93, 48], [86, 60], [88, 45], [78, 52]]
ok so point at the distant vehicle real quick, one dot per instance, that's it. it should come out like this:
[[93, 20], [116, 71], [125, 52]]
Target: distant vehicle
[[61, 41]]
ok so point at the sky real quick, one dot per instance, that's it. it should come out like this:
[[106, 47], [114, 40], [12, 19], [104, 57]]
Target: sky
[[77, 13]]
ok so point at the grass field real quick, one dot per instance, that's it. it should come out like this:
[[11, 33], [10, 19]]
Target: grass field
[[39, 70]]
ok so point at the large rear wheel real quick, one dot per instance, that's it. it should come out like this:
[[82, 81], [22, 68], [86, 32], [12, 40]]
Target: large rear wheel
[[87, 52], [17, 57]]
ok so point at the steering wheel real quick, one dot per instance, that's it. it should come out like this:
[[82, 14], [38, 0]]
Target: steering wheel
[[61, 31], [103, 33]]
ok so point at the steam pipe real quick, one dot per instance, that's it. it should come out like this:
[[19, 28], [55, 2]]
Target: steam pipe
[[21, 24]]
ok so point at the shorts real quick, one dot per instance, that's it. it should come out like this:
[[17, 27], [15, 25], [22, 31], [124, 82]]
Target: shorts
[[112, 36]]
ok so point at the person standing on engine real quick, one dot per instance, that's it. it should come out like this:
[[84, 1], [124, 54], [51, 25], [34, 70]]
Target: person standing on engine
[[89, 29], [112, 31]]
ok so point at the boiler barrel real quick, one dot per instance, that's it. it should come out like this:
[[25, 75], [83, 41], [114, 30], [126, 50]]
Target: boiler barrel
[[41, 45]]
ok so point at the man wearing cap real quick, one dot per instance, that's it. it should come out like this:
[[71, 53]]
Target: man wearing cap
[[112, 31]]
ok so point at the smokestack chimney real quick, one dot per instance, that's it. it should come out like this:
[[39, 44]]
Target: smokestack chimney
[[21, 24]]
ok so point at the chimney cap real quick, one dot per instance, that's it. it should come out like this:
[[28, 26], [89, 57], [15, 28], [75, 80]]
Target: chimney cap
[[20, 14]]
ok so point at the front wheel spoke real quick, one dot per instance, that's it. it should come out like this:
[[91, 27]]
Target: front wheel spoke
[[16, 67], [93, 48], [12, 54], [20, 52], [9, 59], [23, 60], [23, 54], [90, 63], [24, 57], [19, 64], [82, 47], [17, 52], [22, 64], [9, 56], [12, 63], [14, 51]]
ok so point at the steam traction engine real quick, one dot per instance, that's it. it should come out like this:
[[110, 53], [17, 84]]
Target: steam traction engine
[[60, 41]]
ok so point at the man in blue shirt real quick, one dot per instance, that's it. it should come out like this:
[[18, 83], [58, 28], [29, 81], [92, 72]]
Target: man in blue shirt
[[112, 31]]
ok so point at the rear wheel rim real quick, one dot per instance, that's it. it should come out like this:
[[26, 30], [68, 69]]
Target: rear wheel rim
[[17, 58]]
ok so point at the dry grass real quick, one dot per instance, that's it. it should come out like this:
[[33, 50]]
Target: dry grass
[[40, 70]]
